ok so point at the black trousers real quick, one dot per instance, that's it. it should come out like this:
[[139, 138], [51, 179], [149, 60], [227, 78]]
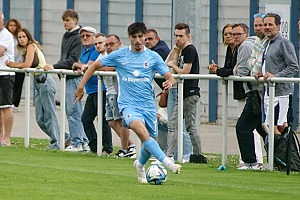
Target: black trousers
[[88, 116], [245, 126], [19, 79]]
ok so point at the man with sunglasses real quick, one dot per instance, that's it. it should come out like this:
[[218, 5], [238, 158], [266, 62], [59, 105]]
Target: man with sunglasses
[[71, 47]]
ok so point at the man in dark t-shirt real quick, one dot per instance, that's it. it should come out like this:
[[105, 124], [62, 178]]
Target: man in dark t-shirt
[[185, 61]]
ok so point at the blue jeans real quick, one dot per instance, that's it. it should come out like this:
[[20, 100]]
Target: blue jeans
[[187, 144], [45, 112], [73, 113], [88, 116]]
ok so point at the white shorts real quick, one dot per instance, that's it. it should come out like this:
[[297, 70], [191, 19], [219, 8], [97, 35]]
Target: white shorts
[[281, 105]]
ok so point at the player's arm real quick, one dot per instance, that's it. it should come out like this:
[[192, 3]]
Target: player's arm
[[170, 81], [87, 75], [107, 69]]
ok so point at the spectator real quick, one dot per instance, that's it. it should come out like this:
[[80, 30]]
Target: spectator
[[249, 126], [6, 84], [153, 42], [13, 26], [71, 47], [45, 86], [88, 56], [227, 70], [279, 60], [186, 61], [136, 93]]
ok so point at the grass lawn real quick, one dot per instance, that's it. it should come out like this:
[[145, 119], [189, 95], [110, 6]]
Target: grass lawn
[[38, 173]]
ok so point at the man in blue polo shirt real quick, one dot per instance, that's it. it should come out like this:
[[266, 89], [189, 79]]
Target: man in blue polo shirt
[[88, 55]]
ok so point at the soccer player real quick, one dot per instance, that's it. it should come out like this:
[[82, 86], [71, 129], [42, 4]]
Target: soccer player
[[136, 67]]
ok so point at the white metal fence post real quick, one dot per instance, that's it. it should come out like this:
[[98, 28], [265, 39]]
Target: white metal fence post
[[27, 108], [271, 125], [224, 120], [63, 111], [99, 116], [180, 120]]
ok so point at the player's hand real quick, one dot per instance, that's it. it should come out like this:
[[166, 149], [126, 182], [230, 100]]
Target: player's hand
[[78, 95], [48, 67]]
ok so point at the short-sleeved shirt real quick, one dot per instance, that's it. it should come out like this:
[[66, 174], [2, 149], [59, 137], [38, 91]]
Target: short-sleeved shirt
[[86, 55], [6, 41], [189, 55], [135, 73]]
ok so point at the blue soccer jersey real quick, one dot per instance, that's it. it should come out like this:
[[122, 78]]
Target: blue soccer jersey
[[135, 71]]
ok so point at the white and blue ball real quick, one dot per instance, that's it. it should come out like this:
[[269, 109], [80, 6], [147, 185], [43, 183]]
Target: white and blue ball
[[156, 174]]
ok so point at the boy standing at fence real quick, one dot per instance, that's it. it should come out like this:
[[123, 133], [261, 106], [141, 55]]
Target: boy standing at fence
[[71, 47]]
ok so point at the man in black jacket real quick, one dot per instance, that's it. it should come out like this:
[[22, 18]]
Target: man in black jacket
[[71, 47], [153, 42]]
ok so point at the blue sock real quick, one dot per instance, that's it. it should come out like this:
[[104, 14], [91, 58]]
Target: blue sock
[[152, 147], [145, 156]]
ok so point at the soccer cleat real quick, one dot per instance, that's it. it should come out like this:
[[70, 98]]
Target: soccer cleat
[[171, 158], [156, 162], [74, 148], [176, 168], [141, 172]]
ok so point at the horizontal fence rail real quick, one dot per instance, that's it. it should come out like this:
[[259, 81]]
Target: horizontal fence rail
[[180, 78]]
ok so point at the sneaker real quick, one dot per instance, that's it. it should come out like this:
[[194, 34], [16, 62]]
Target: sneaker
[[176, 168], [121, 153], [249, 166], [240, 165], [86, 147], [105, 153], [74, 148], [141, 172], [185, 160], [131, 152]]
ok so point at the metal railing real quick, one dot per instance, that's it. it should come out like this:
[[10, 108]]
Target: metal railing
[[179, 78]]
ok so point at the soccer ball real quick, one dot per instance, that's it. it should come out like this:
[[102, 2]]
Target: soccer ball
[[156, 174]]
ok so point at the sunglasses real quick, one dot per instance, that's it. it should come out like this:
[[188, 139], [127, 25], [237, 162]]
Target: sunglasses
[[85, 35], [259, 15]]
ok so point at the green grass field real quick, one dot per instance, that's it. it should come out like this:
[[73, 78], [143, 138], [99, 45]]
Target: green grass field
[[38, 173]]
